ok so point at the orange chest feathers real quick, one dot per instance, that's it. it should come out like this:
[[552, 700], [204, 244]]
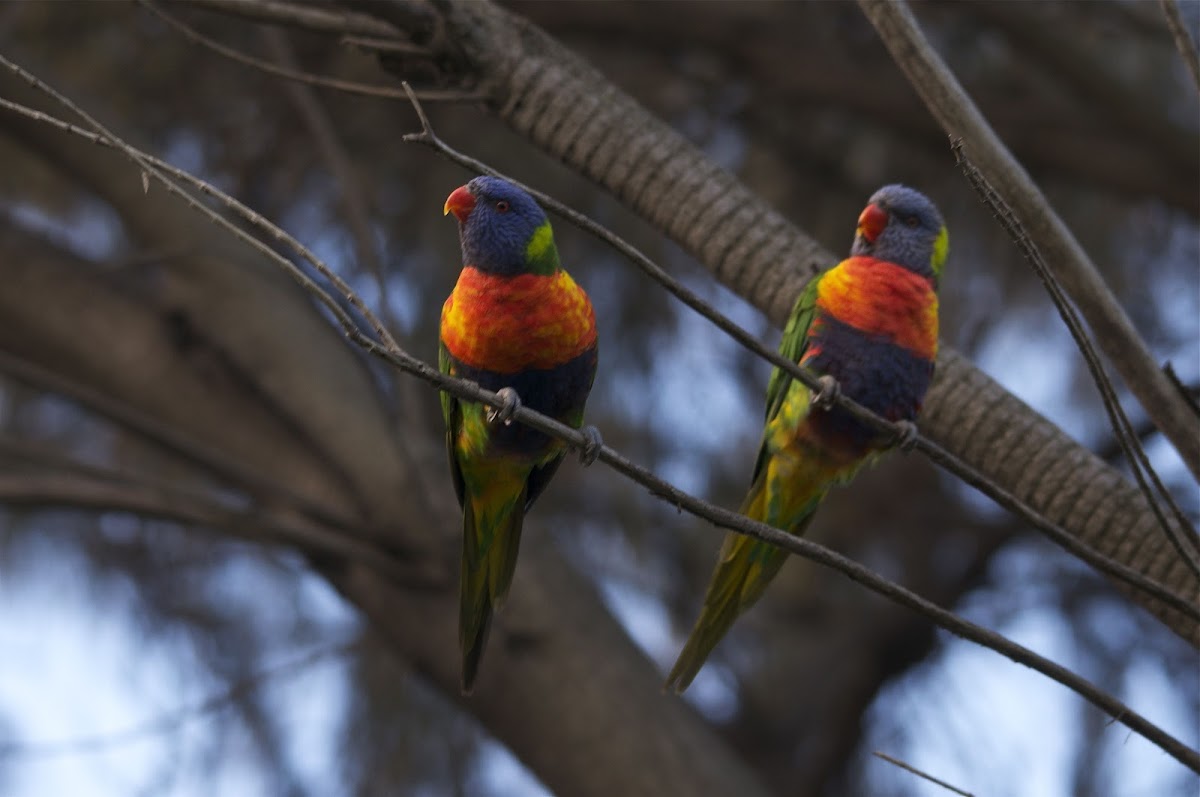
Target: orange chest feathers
[[512, 324], [883, 300]]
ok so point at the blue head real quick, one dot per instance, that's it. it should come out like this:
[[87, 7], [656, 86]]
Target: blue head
[[503, 231], [902, 226]]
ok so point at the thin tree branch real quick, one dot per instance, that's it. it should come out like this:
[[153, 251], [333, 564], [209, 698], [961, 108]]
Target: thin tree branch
[[1110, 450], [1190, 393], [378, 46], [920, 774], [1181, 537], [94, 489], [389, 351], [1183, 39], [174, 720], [167, 438], [960, 118], [935, 452], [354, 210], [345, 177], [350, 87], [303, 16]]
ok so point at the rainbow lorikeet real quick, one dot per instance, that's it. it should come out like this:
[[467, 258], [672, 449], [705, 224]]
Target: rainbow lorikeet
[[517, 324], [869, 327]]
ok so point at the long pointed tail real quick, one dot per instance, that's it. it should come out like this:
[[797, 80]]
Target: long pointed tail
[[489, 559], [743, 570]]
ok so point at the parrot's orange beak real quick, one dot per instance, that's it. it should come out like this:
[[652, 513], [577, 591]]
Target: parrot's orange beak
[[460, 202], [871, 222]]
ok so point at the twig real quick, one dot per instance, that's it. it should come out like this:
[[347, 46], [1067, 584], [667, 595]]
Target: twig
[[173, 721], [350, 87], [166, 437], [723, 518], [301, 15], [374, 45], [960, 118], [920, 774], [85, 487], [936, 453], [345, 177], [1190, 393], [1110, 449], [1181, 537], [356, 215], [1183, 39]]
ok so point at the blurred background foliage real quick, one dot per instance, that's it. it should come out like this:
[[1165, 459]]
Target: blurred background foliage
[[108, 620]]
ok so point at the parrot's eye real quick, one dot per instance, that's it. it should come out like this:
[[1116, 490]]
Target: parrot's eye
[[911, 221], [502, 206]]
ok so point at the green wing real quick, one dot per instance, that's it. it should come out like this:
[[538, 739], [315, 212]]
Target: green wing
[[452, 415], [793, 344]]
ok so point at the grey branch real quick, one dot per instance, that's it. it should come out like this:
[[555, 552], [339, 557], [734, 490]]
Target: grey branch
[[1183, 39], [925, 775], [1180, 531]]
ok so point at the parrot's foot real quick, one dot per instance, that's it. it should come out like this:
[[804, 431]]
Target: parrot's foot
[[827, 394], [906, 435], [591, 449], [512, 403]]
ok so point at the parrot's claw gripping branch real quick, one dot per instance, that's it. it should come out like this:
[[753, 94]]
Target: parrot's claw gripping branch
[[590, 450], [906, 435], [504, 415], [828, 394]]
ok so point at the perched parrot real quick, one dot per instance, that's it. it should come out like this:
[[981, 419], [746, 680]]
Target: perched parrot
[[517, 324], [869, 327]]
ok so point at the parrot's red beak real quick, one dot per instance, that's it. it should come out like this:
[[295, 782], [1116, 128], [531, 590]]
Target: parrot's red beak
[[460, 202], [871, 222]]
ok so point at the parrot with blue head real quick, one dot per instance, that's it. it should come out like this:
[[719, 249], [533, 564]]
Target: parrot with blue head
[[869, 328], [517, 324]]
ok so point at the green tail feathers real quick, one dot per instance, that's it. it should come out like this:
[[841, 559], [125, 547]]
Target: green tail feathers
[[488, 562], [744, 569]]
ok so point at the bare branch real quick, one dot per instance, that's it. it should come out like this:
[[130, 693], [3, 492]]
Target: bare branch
[[960, 118], [920, 774], [1182, 537], [303, 16], [345, 177], [166, 437], [350, 87], [1183, 39], [81, 487]]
